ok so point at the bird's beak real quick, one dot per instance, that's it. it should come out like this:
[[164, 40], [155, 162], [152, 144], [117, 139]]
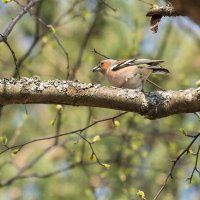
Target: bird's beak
[[97, 68]]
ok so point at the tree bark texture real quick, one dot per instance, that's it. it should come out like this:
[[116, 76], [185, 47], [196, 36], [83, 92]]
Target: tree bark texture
[[191, 8], [152, 105]]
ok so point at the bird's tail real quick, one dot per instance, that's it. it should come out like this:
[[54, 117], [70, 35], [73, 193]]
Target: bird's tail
[[159, 70]]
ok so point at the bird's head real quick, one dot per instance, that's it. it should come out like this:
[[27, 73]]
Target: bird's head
[[104, 65]]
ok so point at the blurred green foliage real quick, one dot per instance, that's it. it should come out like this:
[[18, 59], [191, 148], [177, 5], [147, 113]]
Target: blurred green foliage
[[138, 150]]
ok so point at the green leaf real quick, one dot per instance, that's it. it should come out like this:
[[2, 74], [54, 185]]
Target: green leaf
[[116, 123], [3, 140], [93, 157], [141, 194], [15, 152], [51, 28], [52, 122], [59, 107], [6, 1], [96, 138], [107, 166], [198, 83]]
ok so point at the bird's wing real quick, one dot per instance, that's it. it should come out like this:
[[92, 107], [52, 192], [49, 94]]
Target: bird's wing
[[141, 62]]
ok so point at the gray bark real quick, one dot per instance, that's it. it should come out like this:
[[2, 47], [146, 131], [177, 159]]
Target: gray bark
[[152, 105]]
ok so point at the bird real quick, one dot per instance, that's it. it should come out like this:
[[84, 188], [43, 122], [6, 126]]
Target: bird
[[131, 73]]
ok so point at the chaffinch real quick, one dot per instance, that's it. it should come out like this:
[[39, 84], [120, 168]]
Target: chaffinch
[[129, 73]]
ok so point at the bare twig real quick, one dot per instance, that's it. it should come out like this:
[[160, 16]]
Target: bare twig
[[38, 37], [50, 174], [51, 29], [33, 44], [58, 124], [12, 24], [26, 167], [95, 51], [195, 166], [12, 53], [92, 149], [84, 134], [16, 65], [85, 41], [74, 4], [108, 5], [170, 174], [66, 55], [20, 146], [197, 114], [155, 84]]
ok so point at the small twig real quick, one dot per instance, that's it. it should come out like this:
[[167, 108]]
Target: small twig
[[15, 62], [36, 39], [18, 3], [26, 167], [87, 123], [85, 41], [155, 84], [59, 44], [67, 12], [58, 124], [95, 51], [14, 21], [197, 114], [170, 174], [151, 4], [20, 146], [50, 174], [42, 176], [195, 166], [12, 52], [109, 6], [92, 149], [66, 55]]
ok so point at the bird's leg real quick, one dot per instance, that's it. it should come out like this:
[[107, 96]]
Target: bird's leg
[[142, 90]]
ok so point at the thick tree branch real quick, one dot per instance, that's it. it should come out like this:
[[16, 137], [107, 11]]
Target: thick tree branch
[[153, 105], [178, 7], [163, 11], [189, 8]]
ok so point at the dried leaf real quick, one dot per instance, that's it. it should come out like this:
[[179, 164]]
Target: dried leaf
[[155, 22]]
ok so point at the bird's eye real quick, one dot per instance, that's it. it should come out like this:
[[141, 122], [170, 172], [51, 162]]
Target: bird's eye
[[102, 63]]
